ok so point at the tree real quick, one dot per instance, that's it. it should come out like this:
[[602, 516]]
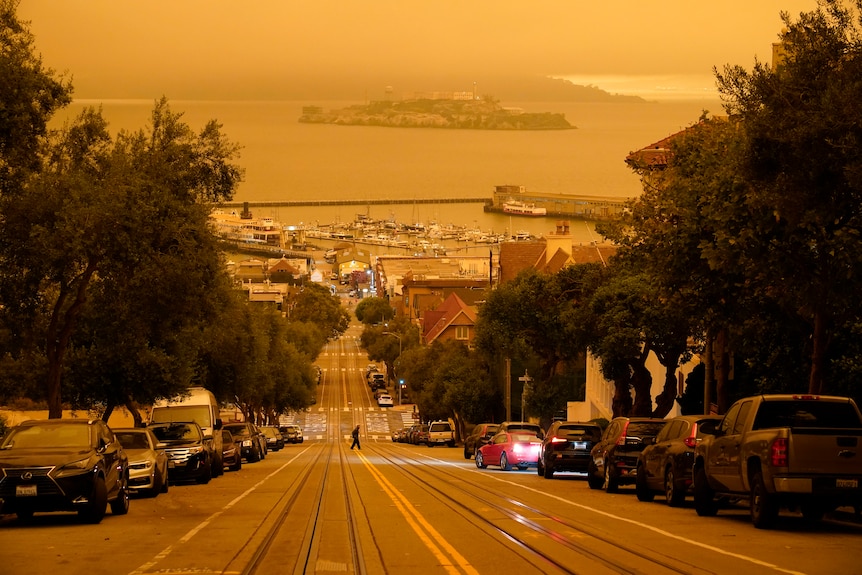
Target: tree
[[316, 304], [802, 138], [101, 212], [31, 94], [374, 310]]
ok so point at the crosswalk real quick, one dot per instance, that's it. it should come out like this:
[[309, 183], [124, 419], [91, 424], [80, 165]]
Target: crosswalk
[[379, 422]]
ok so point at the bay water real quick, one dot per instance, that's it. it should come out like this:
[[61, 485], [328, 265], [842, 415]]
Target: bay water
[[287, 160]]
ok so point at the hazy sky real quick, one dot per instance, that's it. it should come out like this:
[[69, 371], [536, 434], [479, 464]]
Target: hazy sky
[[270, 48]]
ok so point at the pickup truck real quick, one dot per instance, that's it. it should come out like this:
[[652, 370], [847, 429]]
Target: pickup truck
[[440, 432], [795, 451]]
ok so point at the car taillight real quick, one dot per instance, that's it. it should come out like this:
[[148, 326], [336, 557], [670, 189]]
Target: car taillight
[[691, 440], [559, 440], [778, 452], [622, 438]]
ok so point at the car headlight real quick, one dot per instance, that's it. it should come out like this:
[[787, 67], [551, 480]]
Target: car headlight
[[197, 449], [74, 467]]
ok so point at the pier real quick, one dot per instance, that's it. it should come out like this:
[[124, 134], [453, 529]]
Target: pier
[[297, 203]]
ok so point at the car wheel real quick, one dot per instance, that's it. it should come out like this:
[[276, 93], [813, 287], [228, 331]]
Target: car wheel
[[523, 467], [238, 465], [549, 472], [24, 515], [540, 469], [95, 509], [165, 482], [120, 505], [764, 505], [504, 462], [610, 484], [704, 496], [466, 453], [206, 475], [254, 456], [674, 492], [642, 490], [593, 479], [480, 461]]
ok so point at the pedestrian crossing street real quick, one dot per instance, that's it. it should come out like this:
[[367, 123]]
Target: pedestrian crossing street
[[379, 422]]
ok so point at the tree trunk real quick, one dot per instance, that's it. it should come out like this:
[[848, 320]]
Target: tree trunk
[[642, 384], [709, 372], [665, 400], [621, 404], [59, 333], [722, 370], [133, 410], [106, 415], [818, 352]]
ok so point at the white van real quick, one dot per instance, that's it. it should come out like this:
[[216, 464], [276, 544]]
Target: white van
[[200, 406]]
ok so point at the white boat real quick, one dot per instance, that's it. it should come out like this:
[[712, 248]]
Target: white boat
[[517, 208]]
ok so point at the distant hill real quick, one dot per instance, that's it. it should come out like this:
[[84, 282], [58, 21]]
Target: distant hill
[[436, 113]]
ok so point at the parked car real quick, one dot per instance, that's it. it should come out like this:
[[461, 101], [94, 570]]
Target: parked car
[[63, 465], [198, 405], [567, 446], [666, 465], [188, 455], [148, 465], [274, 439], [246, 435], [418, 434], [479, 436], [292, 433], [782, 451], [614, 459], [231, 451], [398, 434], [534, 428], [440, 433], [510, 449], [385, 400]]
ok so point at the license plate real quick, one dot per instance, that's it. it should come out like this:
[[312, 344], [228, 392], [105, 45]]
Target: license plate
[[25, 490], [580, 445], [847, 483]]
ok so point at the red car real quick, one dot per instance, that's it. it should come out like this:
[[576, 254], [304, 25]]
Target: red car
[[516, 449]]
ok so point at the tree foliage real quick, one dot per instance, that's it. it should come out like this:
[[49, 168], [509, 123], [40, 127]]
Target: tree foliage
[[374, 310]]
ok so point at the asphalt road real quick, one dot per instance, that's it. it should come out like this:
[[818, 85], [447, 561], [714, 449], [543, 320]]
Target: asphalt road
[[392, 508]]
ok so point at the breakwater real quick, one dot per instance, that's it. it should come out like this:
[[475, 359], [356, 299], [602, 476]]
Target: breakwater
[[381, 202]]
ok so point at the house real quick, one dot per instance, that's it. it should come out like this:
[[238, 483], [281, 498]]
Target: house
[[451, 320]]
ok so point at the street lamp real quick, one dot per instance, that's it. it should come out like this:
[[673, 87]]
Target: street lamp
[[399, 357]]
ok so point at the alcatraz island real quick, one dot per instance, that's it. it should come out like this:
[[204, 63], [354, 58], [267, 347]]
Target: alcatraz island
[[453, 110]]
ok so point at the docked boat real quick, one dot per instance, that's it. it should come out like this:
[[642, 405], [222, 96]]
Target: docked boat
[[517, 208]]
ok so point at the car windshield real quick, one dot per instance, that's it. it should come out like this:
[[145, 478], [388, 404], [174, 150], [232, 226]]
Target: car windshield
[[133, 440], [200, 414], [523, 437], [580, 433], [177, 432], [644, 428], [38, 436], [796, 413], [238, 430]]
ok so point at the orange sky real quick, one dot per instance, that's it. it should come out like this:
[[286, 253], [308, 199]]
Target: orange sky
[[212, 49]]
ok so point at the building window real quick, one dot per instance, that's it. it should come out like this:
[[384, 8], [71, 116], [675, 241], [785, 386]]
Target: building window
[[462, 332]]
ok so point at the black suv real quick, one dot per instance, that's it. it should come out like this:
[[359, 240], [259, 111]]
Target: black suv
[[567, 447], [248, 437], [63, 465], [666, 465], [188, 455], [613, 460]]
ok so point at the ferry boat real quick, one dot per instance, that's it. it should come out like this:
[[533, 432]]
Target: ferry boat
[[517, 208]]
